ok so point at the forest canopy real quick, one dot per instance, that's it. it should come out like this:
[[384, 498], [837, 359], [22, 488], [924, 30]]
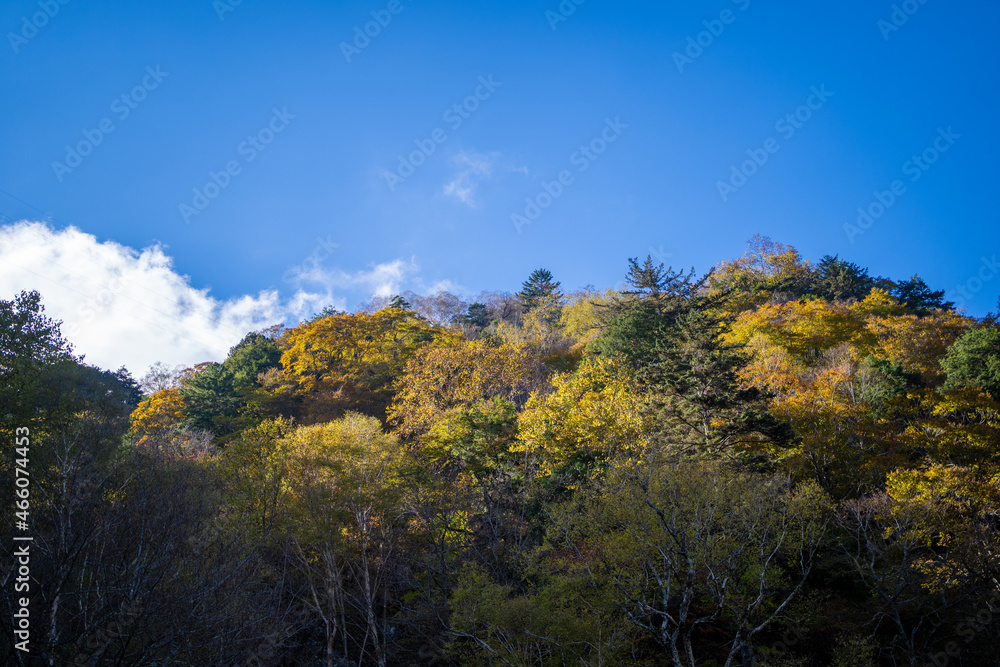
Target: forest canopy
[[776, 462]]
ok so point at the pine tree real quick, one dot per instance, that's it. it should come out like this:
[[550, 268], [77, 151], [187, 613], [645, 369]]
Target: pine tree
[[399, 303], [477, 316], [328, 311], [667, 329], [839, 280], [917, 296], [539, 288]]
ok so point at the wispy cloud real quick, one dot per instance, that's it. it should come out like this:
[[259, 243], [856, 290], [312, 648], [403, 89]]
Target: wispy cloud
[[383, 279], [470, 169]]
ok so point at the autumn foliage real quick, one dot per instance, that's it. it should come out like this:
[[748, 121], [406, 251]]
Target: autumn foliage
[[687, 470]]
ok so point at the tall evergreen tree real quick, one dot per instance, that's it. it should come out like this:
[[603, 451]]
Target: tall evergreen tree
[[328, 311], [253, 355], [214, 397], [667, 329], [916, 295], [210, 399], [840, 280], [477, 316], [539, 288], [399, 303]]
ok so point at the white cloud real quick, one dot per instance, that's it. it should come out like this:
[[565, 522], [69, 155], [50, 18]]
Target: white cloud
[[472, 168], [444, 286], [120, 306], [380, 280]]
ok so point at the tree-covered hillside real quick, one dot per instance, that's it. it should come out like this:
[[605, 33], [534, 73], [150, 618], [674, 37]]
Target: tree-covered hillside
[[778, 462]]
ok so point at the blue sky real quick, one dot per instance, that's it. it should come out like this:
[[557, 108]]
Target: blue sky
[[201, 78]]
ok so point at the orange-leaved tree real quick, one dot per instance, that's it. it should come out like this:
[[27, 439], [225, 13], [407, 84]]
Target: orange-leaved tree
[[350, 361]]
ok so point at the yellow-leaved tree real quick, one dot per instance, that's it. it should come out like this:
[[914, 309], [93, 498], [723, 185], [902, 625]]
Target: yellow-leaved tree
[[835, 371], [583, 314], [767, 268], [350, 361], [159, 420], [593, 415], [345, 516], [442, 378], [157, 415], [918, 343]]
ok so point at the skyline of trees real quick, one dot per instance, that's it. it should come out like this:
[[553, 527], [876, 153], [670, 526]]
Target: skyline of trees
[[687, 470]]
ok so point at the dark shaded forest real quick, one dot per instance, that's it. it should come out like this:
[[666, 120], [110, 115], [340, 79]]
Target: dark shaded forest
[[777, 463]]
